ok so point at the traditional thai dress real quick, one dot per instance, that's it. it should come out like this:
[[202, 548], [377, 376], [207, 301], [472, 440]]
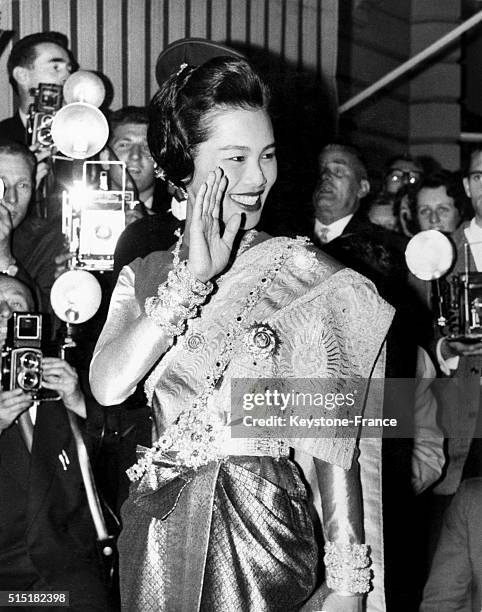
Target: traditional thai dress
[[215, 523]]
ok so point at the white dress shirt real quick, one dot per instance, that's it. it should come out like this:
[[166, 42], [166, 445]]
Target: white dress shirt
[[473, 233], [23, 117]]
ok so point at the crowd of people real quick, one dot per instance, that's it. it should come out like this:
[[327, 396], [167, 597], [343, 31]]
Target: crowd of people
[[205, 291]]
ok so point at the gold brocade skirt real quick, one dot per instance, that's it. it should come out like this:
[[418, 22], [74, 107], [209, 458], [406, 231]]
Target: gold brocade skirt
[[239, 537]]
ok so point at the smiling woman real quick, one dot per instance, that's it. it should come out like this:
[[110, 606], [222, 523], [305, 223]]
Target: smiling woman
[[242, 147], [213, 523]]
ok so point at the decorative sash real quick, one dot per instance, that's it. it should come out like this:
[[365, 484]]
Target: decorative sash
[[167, 487]]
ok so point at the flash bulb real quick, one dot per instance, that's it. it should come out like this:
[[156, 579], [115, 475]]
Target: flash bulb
[[429, 255]]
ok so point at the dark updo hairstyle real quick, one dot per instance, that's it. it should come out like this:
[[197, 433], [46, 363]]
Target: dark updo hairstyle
[[179, 112]]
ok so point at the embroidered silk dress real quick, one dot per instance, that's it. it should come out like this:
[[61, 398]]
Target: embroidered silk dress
[[236, 533]]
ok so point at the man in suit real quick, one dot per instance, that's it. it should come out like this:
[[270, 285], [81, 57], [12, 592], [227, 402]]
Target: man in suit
[[342, 184], [337, 199], [47, 540], [455, 581], [463, 423], [43, 57], [26, 242], [128, 141]]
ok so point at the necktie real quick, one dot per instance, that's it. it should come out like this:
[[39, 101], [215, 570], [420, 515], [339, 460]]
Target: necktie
[[26, 429], [322, 234]]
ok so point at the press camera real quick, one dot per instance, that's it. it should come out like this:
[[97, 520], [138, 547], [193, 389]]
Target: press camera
[[47, 101], [93, 215], [457, 299], [21, 357], [462, 307]]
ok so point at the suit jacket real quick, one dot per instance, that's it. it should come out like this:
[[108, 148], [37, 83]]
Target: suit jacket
[[455, 581], [46, 531], [35, 244], [379, 254], [360, 224], [13, 129]]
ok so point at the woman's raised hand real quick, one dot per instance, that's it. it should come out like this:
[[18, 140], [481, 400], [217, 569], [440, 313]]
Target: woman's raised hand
[[209, 251]]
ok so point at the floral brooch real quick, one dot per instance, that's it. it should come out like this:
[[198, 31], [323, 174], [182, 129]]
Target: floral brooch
[[261, 340], [304, 259]]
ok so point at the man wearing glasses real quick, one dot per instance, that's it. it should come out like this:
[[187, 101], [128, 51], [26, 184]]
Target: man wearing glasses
[[403, 171], [390, 208]]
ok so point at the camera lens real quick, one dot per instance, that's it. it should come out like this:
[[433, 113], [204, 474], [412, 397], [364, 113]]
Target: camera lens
[[30, 361], [46, 121], [28, 380]]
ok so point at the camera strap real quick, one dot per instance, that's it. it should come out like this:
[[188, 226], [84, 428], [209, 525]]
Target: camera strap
[[105, 541]]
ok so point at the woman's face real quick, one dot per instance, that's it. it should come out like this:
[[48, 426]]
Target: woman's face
[[436, 210], [241, 142]]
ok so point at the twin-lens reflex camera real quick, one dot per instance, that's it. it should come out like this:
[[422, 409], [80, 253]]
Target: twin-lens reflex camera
[[47, 101], [21, 357]]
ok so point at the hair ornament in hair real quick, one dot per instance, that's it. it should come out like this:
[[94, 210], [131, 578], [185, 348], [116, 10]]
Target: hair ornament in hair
[[159, 172], [182, 67], [177, 191]]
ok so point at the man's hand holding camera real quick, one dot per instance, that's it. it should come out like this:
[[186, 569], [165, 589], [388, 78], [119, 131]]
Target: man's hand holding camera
[[455, 348], [12, 404], [60, 376], [6, 229], [43, 156]]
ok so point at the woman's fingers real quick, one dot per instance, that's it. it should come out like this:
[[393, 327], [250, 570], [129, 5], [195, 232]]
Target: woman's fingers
[[209, 193], [231, 229], [198, 203], [218, 196]]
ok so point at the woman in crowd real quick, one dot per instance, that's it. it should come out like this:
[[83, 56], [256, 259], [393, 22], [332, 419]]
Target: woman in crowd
[[214, 522]]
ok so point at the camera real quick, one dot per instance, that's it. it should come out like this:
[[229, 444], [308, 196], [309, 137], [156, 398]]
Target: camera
[[93, 216], [461, 301], [21, 358], [47, 101], [457, 299]]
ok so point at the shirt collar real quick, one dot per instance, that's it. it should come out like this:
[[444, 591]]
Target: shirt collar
[[23, 117], [333, 230], [474, 230]]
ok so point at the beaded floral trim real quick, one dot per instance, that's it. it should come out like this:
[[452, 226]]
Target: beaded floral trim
[[177, 300], [347, 567], [197, 436]]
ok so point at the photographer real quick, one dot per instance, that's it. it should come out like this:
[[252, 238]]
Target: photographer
[[47, 539], [27, 244], [42, 57]]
